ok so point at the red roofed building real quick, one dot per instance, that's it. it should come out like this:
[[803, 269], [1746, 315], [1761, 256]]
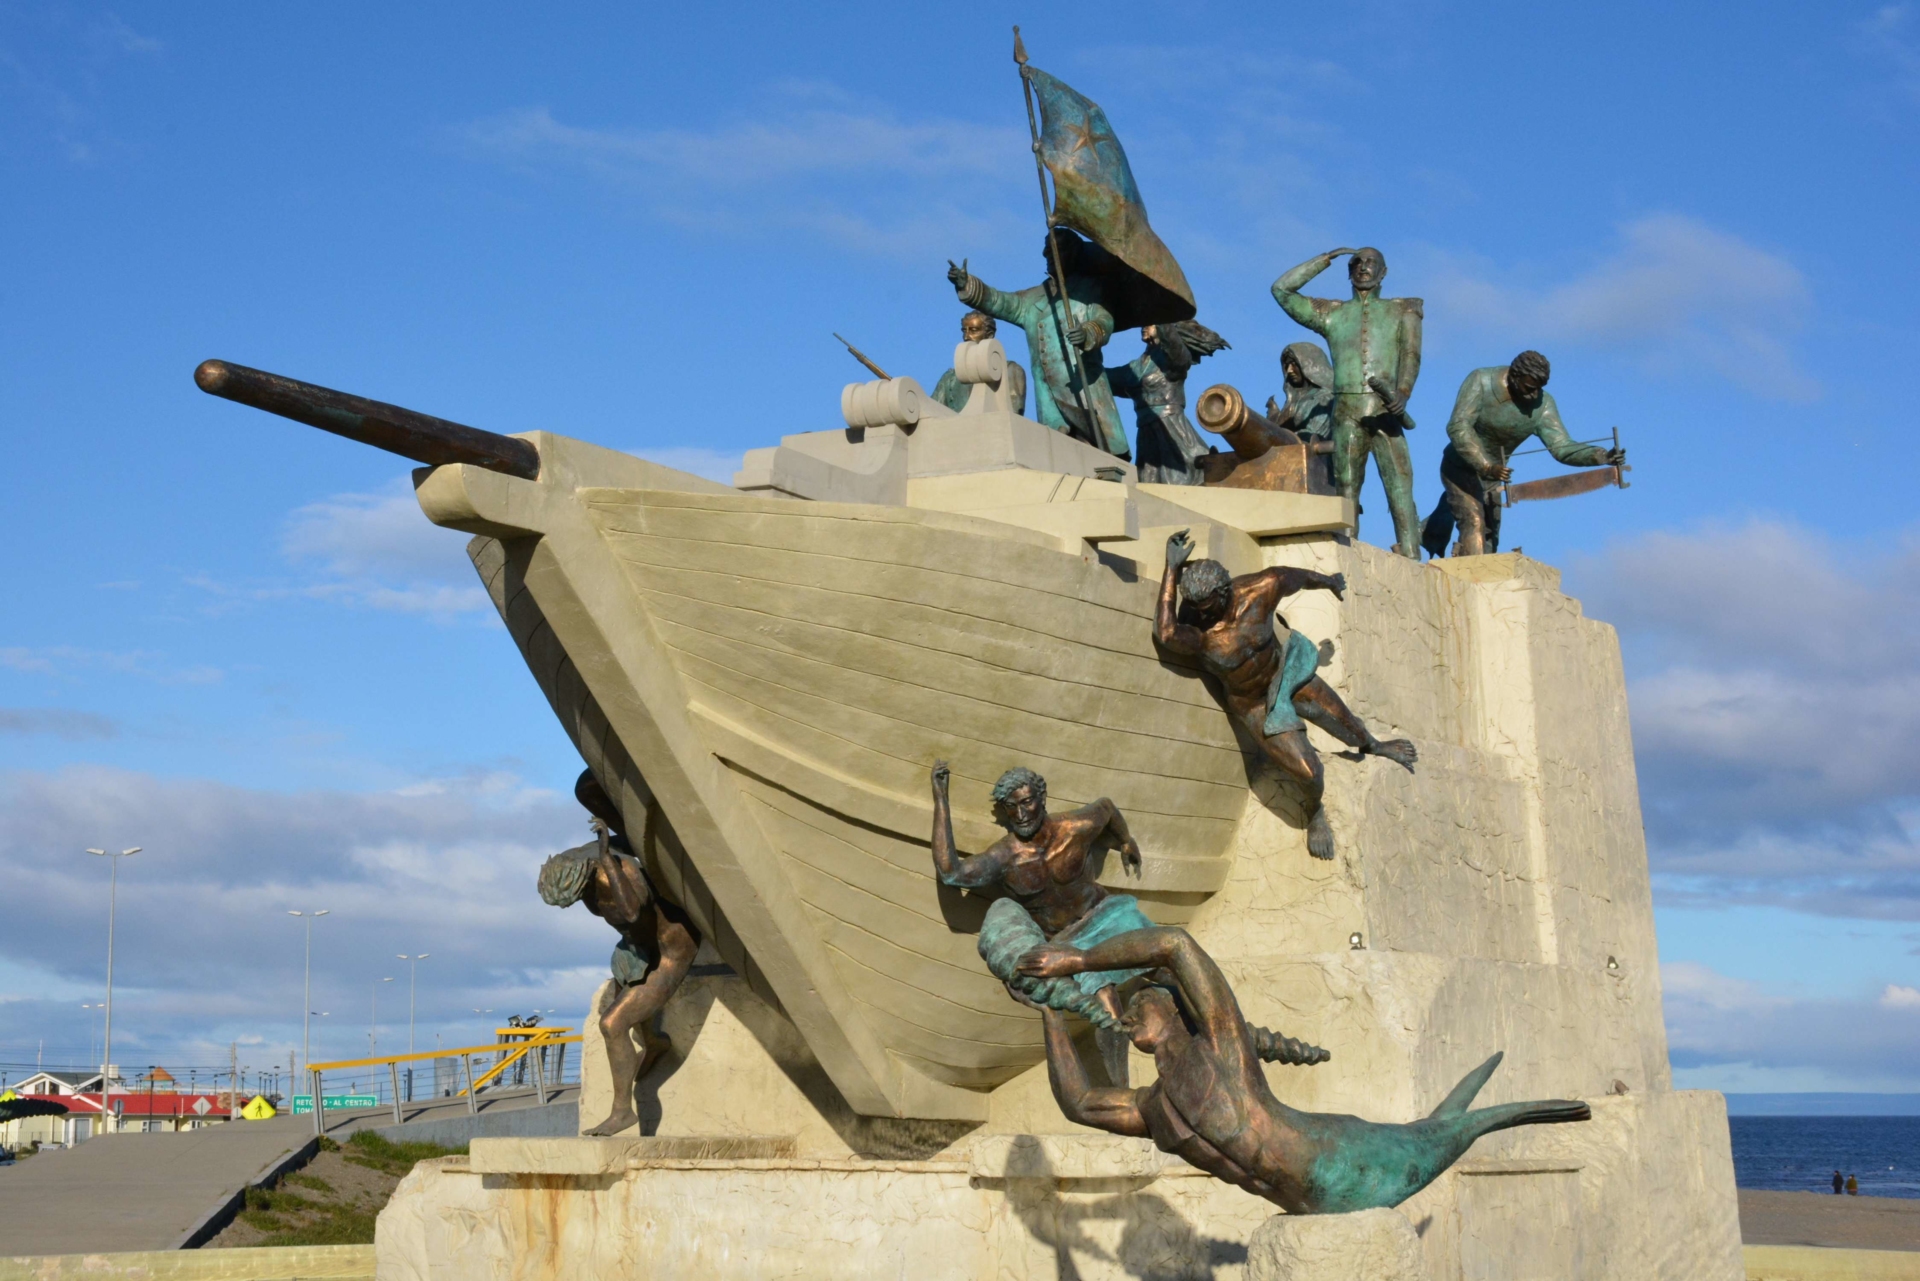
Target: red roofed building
[[133, 1111]]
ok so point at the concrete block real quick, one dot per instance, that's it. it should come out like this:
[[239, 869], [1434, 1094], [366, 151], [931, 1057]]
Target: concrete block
[[1370, 1245]]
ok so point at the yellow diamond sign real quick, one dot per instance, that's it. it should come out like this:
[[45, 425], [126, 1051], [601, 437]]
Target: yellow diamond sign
[[257, 1109]]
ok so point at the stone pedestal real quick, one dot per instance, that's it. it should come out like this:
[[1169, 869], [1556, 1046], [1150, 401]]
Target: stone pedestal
[[1371, 1245], [1501, 901]]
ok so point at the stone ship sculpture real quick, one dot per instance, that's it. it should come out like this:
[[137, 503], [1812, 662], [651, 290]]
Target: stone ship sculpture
[[876, 1062]]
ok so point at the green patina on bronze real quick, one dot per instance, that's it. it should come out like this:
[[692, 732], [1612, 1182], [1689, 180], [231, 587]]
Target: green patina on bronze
[[1375, 343]]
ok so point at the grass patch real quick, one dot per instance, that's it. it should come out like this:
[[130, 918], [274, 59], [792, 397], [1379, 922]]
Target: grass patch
[[339, 1209], [376, 1153]]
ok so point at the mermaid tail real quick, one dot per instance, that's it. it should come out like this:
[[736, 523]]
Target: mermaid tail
[[1362, 1164]]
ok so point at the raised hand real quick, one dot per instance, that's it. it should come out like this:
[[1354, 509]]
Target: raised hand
[[957, 275], [1179, 548], [940, 776], [1616, 457]]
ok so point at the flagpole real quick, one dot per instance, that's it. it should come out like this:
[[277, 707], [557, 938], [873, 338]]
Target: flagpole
[[1053, 241]]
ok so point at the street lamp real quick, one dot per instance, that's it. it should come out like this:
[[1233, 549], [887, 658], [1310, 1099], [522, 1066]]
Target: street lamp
[[413, 966], [306, 1021], [94, 1005], [412, 962], [113, 892], [373, 1019]]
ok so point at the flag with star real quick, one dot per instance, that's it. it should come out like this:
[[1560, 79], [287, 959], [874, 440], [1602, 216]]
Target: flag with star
[[1094, 193]]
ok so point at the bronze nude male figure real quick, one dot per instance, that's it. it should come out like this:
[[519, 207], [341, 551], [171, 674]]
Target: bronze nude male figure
[[1044, 864], [1211, 1104], [657, 944], [1231, 625]]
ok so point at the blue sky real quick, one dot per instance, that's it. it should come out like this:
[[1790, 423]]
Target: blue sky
[[235, 642]]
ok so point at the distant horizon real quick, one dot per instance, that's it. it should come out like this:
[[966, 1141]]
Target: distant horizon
[[1823, 1103]]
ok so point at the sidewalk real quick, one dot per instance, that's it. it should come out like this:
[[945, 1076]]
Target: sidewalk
[[125, 1192]]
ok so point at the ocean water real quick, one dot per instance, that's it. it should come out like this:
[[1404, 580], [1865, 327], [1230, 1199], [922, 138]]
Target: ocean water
[[1800, 1153]]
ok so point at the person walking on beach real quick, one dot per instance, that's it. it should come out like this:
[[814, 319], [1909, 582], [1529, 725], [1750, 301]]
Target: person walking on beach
[[1839, 1183], [1853, 1186]]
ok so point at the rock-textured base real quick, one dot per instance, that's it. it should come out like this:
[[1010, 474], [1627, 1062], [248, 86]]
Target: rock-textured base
[[1370, 1245]]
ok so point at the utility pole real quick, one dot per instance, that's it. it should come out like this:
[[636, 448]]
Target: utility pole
[[306, 1004], [233, 1081], [106, 1044]]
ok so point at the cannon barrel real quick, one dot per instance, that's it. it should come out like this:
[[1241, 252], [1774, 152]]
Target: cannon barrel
[[1221, 408], [421, 437]]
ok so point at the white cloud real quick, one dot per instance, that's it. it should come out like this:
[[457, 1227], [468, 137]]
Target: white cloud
[[1775, 687], [204, 947], [816, 160], [1890, 38], [1674, 294], [1719, 1027], [67, 661], [372, 551], [378, 535], [59, 722]]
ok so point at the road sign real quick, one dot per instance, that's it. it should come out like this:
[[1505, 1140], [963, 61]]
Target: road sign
[[257, 1109], [303, 1103]]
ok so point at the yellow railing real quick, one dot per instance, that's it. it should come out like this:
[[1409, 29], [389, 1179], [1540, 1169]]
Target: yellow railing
[[529, 1039]]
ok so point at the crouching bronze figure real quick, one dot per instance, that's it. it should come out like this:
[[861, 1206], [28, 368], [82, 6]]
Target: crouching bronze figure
[[657, 944]]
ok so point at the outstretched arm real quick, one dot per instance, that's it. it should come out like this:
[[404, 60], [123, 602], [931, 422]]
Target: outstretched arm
[[1111, 1108], [1563, 447], [1169, 632], [981, 296], [1285, 581], [967, 873]]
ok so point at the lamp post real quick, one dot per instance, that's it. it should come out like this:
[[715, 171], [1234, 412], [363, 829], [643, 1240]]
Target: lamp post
[[113, 893], [412, 962], [413, 965], [373, 1019], [306, 1019], [93, 1005]]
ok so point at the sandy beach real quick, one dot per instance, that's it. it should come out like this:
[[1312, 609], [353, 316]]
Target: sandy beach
[[1808, 1218]]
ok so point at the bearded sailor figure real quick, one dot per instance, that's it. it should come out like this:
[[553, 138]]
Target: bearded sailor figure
[[1045, 865]]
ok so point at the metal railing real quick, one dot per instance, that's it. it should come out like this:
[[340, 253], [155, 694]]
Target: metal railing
[[517, 1045]]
